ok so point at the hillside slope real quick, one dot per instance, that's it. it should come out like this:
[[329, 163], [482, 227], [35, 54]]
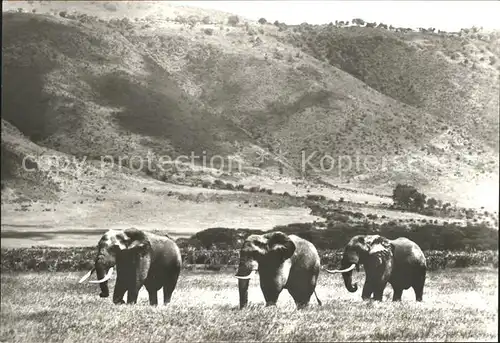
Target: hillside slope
[[453, 77], [99, 86]]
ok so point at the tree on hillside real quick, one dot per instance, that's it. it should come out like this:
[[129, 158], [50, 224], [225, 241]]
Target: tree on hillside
[[431, 202], [262, 21], [418, 201], [408, 197], [233, 20], [358, 21]]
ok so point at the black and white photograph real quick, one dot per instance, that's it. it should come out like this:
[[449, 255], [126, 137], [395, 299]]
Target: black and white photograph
[[249, 171]]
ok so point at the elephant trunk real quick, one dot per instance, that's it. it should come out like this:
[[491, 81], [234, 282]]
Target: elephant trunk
[[101, 269], [347, 276], [246, 270], [243, 288]]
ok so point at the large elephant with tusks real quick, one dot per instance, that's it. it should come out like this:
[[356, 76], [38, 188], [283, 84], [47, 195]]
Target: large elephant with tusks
[[283, 261], [141, 259], [399, 262]]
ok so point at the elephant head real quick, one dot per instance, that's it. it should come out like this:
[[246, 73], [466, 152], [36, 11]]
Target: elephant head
[[265, 253], [105, 260], [371, 251]]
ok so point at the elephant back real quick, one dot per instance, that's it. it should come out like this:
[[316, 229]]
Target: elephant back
[[406, 250], [165, 246], [304, 249]]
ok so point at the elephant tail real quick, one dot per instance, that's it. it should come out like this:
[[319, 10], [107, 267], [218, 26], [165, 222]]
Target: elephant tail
[[319, 301]]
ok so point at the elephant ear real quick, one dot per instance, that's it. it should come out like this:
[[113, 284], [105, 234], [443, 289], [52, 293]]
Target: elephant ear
[[136, 239], [281, 244], [118, 241], [381, 246]]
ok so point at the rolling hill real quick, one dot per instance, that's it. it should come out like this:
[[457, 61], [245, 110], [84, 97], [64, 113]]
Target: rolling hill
[[100, 79]]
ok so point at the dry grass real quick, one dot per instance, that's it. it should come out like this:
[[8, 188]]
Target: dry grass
[[459, 305]]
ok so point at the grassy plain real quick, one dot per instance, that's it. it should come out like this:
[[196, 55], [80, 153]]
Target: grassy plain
[[460, 304]]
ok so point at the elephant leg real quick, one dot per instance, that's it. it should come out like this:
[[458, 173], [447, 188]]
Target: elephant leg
[[398, 293], [169, 287], [419, 291], [301, 292], [153, 296], [301, 298], [119, 292], [367, 291], [271, 298], [132, 296], [133, 292], [271, 294], [418, 285], [379, 292]]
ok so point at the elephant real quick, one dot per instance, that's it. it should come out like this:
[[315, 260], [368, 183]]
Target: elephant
[[399, 262], [283, 261], [105, 261], [141, 258]]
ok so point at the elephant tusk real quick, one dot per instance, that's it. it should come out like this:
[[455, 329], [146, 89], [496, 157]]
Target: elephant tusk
[[106, 278], [341, 270], [86, 276], [249, 276]]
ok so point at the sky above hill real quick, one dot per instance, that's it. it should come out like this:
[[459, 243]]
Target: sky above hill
[[442, 15]]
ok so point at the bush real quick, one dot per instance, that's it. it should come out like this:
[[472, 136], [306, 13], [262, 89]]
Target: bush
[[40, 259], [219, 184], [209, 31], [315, 197], [218, 237], [338, 217], [262, 21], [206, 20], [431, 202], [408, 197], [233, 20]]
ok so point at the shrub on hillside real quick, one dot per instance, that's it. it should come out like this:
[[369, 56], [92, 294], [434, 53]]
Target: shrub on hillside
[[262, 21], [431, 202], [315, 197], [219, 184], [233, 20], [406, 196]]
